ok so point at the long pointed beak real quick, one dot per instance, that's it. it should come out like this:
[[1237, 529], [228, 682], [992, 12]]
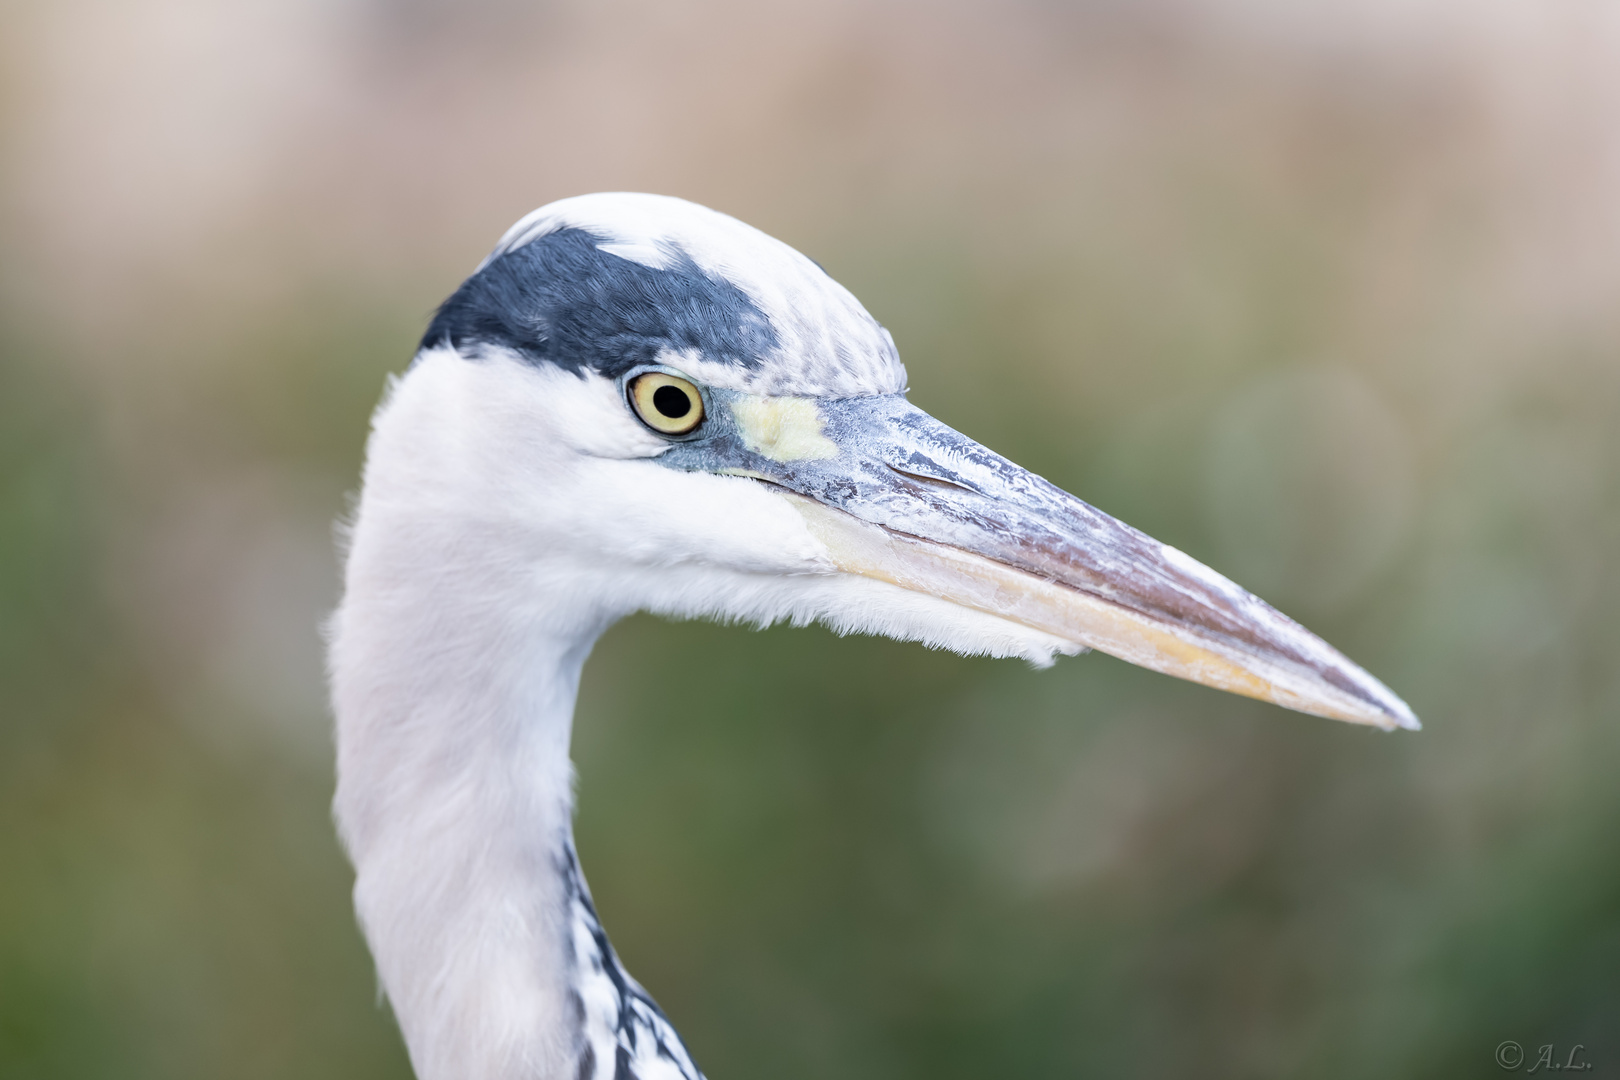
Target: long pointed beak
[[896, 495]]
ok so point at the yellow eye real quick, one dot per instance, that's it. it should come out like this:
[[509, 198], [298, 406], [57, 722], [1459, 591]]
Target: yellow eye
[[665, 403]]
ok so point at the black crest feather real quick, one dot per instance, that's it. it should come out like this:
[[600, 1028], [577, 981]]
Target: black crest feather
[[561, 299]]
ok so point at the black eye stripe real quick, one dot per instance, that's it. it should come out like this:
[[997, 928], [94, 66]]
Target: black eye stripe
[[672, 402]]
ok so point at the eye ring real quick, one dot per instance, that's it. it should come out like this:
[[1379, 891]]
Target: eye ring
[[666, 403]]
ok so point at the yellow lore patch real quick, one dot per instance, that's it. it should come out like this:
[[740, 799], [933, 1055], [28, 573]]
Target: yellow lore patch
[[783, 428]]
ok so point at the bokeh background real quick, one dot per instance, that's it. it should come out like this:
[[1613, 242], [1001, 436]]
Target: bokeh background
[[1326, 294]]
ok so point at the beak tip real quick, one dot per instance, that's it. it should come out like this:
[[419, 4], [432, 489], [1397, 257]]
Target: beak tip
[[1401, 716]]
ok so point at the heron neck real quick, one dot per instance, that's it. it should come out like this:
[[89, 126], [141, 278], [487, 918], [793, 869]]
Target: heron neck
[[454, 680]]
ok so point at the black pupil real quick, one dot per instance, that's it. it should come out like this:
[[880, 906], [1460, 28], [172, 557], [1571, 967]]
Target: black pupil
[[672, 401]]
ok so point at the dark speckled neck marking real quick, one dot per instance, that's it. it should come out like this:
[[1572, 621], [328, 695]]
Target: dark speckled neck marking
[[562, 300], [623, 1034]]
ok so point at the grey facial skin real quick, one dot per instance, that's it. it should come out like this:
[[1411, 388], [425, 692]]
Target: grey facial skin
[[890, 464]]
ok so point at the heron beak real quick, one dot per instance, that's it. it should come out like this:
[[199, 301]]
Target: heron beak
[[1158, 609], [895, 495]]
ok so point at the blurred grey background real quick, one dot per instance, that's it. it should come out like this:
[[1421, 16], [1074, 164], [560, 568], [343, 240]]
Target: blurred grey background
[[1326, 294]]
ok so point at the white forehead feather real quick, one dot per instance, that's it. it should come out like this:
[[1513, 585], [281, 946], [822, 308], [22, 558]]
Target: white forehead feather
[[828, 346]]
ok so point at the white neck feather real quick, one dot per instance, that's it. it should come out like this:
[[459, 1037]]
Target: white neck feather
[[455, 665], [455, 802]]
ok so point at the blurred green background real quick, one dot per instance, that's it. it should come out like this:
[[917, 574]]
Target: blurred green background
[[1327, 295]]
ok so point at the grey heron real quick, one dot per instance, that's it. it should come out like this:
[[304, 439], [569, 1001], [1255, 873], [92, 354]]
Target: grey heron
[[639, 404]]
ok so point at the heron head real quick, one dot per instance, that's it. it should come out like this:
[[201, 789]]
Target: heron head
[[662, 408]]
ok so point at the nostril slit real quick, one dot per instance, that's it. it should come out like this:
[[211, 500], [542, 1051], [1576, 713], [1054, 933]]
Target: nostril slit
[[939, 481]]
